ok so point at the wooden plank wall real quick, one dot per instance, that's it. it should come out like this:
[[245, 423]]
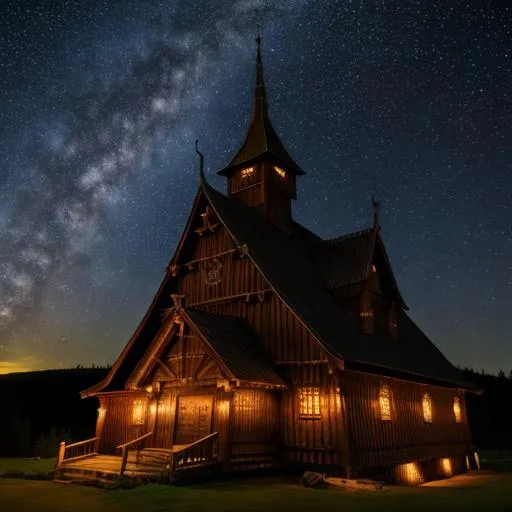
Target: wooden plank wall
[[286, 338], [254, 428], [118, 426], [313, 441], [406, 437]]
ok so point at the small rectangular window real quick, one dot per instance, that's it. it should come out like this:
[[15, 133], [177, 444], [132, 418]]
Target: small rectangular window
[[309, 402]]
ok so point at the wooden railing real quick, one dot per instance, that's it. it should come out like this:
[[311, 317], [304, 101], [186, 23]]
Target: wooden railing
[[77, 450], [126, 448], [201, 452]]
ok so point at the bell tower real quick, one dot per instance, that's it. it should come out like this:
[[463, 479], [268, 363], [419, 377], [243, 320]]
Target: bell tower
[[262, 175]]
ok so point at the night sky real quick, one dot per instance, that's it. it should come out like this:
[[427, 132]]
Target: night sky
[[100, 105]]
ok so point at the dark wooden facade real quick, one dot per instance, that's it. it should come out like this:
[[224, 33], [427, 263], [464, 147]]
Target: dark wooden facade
[[282, 343]]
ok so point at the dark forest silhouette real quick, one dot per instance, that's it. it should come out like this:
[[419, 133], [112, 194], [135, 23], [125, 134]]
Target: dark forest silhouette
[[40, 409]]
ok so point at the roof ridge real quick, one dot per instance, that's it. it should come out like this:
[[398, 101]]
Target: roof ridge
[[354, 234]]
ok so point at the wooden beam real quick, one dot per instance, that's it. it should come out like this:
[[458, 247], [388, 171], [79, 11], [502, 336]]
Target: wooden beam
[[228, 298]]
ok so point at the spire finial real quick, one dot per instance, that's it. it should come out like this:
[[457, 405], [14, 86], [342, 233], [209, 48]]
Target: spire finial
[[201, 162], [376, 206], [258, 38]]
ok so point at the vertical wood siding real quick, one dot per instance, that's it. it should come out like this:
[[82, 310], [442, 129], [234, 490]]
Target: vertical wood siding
[[407, 436], [118, 425], [254, 428], [310, 440]]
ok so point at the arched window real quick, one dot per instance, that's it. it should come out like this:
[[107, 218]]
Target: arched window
[[457, 411], [385, 403], [427, 408]]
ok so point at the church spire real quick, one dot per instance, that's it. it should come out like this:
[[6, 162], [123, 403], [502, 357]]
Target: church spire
[[261, 138], [260, 107]]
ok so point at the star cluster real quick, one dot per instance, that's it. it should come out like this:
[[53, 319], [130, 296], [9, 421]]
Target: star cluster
[[101, 102]]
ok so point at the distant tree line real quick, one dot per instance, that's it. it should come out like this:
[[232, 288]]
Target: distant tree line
[[40, 409]]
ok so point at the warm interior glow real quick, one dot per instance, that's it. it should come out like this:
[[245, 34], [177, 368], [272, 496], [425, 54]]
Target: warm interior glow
[[309, 402], [468, 465], [224, 406], [138, 412], [446, 465], [280, 172], [153, 408], [374, 269], [246, 173], [427, 408], [149, 388], [101, 410], [385, 403], [411, 473], [457, 410], [477, 460]]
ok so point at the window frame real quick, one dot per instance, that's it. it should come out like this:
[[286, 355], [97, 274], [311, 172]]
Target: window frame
[[309, 403]]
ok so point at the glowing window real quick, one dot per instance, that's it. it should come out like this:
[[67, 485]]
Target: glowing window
[[374, 269], [427, 408], [367, 318], [309, 402], [385, 403], [457, 410], [138, 412], [247, 173], [280, 172]]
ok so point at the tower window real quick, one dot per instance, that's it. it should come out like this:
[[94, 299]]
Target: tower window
[[247, 173], [457, 411], [309, 402], [427, 408], [385, 403], [280, 172]]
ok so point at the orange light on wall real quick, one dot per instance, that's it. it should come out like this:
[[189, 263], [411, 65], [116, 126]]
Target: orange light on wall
[[102, 411], [223, 406], [149, 389], [457, 410], [410, 473], [152, 408], [385, 403], [446, 467], [138, 412], [477, 460], [468, 465]]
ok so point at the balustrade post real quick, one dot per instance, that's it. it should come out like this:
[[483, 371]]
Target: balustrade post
[[124, 460], [60, 454]]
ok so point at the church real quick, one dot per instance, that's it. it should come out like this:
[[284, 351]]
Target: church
[[267, 346]]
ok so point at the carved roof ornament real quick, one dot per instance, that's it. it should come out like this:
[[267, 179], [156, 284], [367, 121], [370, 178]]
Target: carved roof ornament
[[212, 270], [173, 269], [209, 223], [243, 250], [177, 300]]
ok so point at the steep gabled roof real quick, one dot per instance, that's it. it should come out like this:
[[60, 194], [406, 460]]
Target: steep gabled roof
[[261, 139], [237, 344], [347, 260], [286, 263]]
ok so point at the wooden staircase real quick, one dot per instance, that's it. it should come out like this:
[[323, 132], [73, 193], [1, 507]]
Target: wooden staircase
[[148, 464]]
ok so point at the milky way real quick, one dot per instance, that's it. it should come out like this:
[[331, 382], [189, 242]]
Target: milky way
[[101, 104]]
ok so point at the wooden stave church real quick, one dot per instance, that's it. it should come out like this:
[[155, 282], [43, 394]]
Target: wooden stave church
[[267, 346]]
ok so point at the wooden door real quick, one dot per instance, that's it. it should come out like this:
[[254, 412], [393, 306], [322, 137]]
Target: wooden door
[[193, 418]]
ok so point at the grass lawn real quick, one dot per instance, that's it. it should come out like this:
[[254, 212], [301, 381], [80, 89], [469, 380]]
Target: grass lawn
[[476, 491], [27, 465]]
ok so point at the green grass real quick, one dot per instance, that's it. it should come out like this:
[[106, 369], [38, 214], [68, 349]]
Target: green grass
[[26, 465], [479, 492]]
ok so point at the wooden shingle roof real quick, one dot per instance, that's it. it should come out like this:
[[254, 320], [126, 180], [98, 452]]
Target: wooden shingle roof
[[287, 264], [238, 345]]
